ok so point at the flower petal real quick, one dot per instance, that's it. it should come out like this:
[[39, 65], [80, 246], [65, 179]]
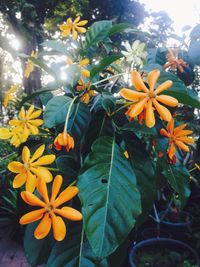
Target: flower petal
[[186, 139], [38, 153], [59, 228], [42, 189], [152, 79], [69, 213], [77, 19], [43, 173], [45, 160], [66, 195], [33, 129], [179, 128], [16, 167], [84, 62], [138, 108], [131, 95], [5, 133], [170, 126], [138, 82], [31, 199], [35, 114], [172, 151], [25, 154], [163, 132], [36, 122], [82, 23], [32, 216], [29, 111], [43, 227], [56, 187], [163, 86], [167, 100], [19, 180], [149, 117], [81, 29], [182, 146], [31, 182], [184, 133], [163, 111]]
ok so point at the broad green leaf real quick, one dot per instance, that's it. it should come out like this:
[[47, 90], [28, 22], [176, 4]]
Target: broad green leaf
[[108, 103], [193, 52], [56, 110], [79, 120], [121, 27], [179, 90], [56, 46], [156, 56], [74, 251], [97, 32], [145, 173], [37, 251], [109, 196], [135, 127], [67, 165], [178, 177], [45, 97], [73, 74], [105, 62]]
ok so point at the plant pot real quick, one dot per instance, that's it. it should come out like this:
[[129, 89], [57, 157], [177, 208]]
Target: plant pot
[[154, 232], [177, 226], [159, 244]]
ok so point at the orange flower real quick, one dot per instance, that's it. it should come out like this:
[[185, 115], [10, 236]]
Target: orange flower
[[64, 139], [49, 209], [173, 61], [149, 99], [73, 27], [177, 137], [88, 92]]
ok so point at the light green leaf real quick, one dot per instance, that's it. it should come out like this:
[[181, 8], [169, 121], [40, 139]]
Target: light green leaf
[[56, 46], [56, 111], [109, 196], [97, 32], [105, 62]]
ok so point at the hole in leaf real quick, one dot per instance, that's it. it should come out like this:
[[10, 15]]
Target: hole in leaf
[[104, 181]]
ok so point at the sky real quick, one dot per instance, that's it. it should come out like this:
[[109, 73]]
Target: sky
[[182, 12]]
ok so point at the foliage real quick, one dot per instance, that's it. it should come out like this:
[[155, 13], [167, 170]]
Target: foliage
[[108, 144]]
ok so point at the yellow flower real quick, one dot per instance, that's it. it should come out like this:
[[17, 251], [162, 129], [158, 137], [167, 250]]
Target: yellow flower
[[65, 140], [83, 64], [31, 168], [27, 123], [29, 65], [149, 99], [9, 95], [13, 134], [177, 137], [49, 213], [73, 27], [87, 92]]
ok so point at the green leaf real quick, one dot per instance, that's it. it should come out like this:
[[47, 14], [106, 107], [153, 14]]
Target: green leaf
[[135, 127], [73, 74], [56, 110], [45, 97], [108, 103], [97, 32], [121, 27], [67, 165], [145, 173], [56, 46], [109, 196], [179, 90], [74, 251], [79, 120], [178, 178], [38, 63], [37, 251], [156, 56], [106, 61]]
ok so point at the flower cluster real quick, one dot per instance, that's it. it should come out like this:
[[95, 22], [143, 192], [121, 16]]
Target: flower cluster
[[26, 124]]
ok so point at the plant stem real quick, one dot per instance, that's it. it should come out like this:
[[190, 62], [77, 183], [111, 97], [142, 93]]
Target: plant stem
[[53, 169], [68, 113], [106, 79]]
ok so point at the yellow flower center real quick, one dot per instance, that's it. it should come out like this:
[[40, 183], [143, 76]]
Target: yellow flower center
[[49, 207], [151, 95], [26, 165]]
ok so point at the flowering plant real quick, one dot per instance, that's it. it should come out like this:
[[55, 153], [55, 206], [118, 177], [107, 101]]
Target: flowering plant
[[108, 135]]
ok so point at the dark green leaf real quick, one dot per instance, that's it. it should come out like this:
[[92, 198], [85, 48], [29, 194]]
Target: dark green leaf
[[56, 110], [135, 127], [179, 90], [67, 165], [37, 251], [121, 27], [108, 103], [178, 178], [97, 32], [109, 196], [106, 61]]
